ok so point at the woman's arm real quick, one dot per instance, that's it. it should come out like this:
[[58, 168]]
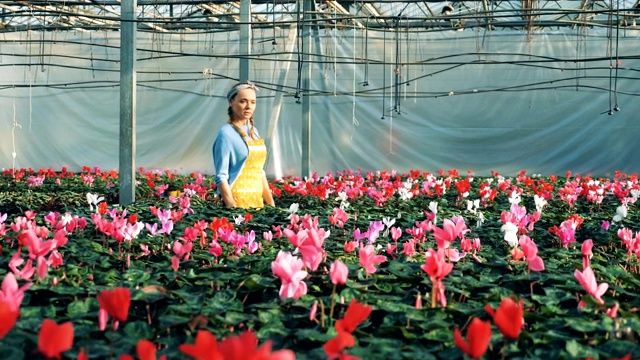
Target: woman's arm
[[266, 192], [225, 193]]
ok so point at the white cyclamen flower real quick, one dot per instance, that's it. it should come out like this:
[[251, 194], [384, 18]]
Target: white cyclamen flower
[[510, 234]]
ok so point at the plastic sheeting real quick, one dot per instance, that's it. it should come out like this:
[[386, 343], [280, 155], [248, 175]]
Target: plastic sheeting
[[473, 100]]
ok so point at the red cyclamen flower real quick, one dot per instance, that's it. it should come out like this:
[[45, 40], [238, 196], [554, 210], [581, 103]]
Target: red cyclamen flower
[[508, 317], [355, 314], [54, 339], [8, 318], [116, 302], [244, 346], [478, 338]]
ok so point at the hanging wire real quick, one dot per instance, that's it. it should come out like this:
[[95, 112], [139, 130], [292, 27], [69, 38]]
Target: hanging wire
[[273, 25], [16, 125], [384, 72], [300, 44], [354, 121], [610, 53], [616, 106], [335, 51], [397, 73], [365, 82]]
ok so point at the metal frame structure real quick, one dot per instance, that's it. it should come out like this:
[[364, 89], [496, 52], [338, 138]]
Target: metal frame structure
[[302, 18], [216, 15]]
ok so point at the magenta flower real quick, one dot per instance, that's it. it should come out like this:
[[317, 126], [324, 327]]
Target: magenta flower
[[587, 279], [289, 269], [368, 259]]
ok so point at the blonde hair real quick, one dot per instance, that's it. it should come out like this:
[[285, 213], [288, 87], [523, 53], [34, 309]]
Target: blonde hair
[[231, 94]]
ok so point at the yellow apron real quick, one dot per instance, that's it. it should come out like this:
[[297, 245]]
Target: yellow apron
[[247, 188]]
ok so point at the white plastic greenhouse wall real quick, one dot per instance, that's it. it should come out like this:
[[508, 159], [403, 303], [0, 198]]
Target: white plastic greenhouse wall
[[479, 100]]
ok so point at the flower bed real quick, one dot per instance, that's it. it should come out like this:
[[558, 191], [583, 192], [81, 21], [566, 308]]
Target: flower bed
[[371, 265]]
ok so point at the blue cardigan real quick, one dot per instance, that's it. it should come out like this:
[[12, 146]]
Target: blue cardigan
[[230, 152]]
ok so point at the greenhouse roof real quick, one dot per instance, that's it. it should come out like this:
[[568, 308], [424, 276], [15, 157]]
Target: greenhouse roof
[[206, 16]]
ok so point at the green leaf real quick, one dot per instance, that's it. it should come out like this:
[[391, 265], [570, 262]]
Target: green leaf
[[577, 350], [77, 309]]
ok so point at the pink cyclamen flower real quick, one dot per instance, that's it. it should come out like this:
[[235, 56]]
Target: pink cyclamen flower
[[391, 248], [289, 269], [587, 279], [368, 258], [338, 272], [11, 294], [530, 251], [436, 265], [448, 233], [27, 271], [587, 252], [396, 233], [349, 246], [605, 225], [313, 311]]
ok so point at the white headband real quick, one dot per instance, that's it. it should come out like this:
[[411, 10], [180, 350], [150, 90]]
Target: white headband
[[236, 89]]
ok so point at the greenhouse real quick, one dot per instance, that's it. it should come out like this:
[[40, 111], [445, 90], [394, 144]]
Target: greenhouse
[[442, 179]]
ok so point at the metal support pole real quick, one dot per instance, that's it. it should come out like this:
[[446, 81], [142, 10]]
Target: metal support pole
[[306, 105], [127, 103], [245, 39], [272, 134]]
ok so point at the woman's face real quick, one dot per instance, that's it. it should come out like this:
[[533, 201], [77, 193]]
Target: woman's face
[[243, 104]]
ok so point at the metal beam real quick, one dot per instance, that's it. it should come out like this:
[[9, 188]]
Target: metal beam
[[245, 39], [306, 105], [272, 133], [127, 104]]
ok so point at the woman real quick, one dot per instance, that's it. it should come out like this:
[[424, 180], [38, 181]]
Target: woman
[[239, 153]]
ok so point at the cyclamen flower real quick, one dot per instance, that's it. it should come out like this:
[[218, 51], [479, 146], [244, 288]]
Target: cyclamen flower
[[508, 317], [510, 234], [437, 267], [356, 313], [289, 269], [449, 232], [530, 251], [478, 335], [396, 233], [11, 294], [338, 272], [339, 217], [587, 279], [368, 259], [587, 252], [8, 318], [244, 346], [116, 302], [54, 339]]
